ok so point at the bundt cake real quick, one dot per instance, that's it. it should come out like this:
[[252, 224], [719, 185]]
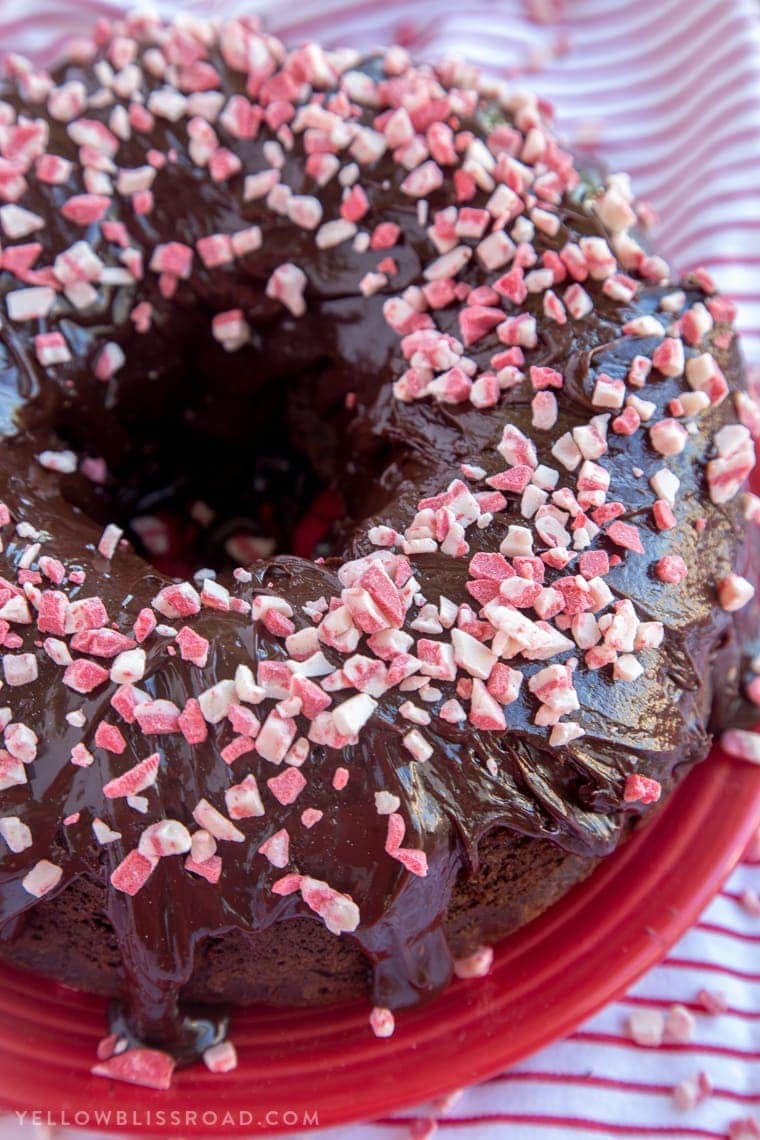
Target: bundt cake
[[236, 279]]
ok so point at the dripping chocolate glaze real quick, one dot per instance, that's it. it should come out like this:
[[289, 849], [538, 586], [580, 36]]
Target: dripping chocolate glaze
[[385, 455]]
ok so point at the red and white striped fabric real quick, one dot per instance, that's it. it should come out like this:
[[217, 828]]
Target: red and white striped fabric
[[669, 92], [597, 1082]]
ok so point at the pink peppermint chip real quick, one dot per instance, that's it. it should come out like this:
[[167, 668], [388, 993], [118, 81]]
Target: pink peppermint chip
[[83, 676], [176, 601], [144, 625], [231, 329], [221, 1058], [51, 348], [85, 209], [53, 170], [608, 393], [647, 1027], [545, 410], [210, 869], [704, 375], [641, 789], [276, 736], [236, 748], [167, 837], [149, 1068], [668, 437], [109, 737], [191, 723], [416, 744], [244, 720], [135, 779], [664, 516], [690, 1092], [287, 787], [21, 742], [626, 535], [57, 609], [668, 357], [43, 877], [749, 900], [742, 744], [736, 459], [212, 820], [382, 1022], [713, 1001], [679, 1025], [12, 772], [132, 873], [129, 667], [478, 321], [243, 800], [174, 258], [81, 756], [215, 250], [423, 181], [744, 1128], [30, 304], [157, 717], [734, 592], [276, 848], [475, 965], [192, 646], [110, 359], [338, 911], [287, 285], [15, 833], [672, 569], [340, 779], [100, 642]]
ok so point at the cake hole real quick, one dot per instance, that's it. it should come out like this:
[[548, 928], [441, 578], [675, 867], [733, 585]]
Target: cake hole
[[231, 507], [211, 460], [218, 483]]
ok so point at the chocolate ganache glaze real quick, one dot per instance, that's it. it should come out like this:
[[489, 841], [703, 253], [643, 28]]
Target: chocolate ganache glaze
[[538, 608]]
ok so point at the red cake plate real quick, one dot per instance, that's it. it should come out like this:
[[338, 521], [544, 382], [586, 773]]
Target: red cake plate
[[300, 1069]]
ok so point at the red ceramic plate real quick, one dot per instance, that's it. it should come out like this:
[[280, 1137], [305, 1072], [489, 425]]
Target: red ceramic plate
[[300, 1069]]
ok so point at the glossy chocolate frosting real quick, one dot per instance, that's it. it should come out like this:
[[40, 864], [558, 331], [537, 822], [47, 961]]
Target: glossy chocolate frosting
[[179, 403]]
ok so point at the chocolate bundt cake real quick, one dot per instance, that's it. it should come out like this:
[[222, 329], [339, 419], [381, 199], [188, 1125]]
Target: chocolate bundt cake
[[236, 277]]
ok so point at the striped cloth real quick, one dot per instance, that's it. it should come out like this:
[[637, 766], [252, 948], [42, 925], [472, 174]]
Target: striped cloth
[[669, 92], [597, 1082]]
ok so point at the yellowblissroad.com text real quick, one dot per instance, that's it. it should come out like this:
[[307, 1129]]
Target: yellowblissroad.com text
[[211, 1119]]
